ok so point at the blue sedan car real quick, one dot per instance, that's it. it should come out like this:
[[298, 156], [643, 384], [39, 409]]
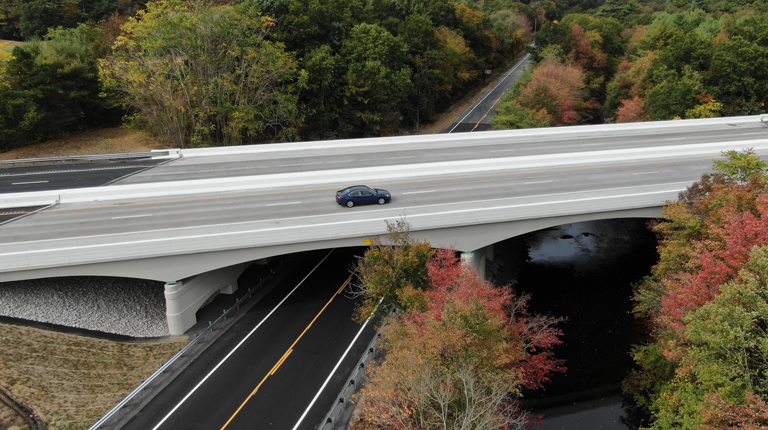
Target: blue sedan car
[[362, 195]]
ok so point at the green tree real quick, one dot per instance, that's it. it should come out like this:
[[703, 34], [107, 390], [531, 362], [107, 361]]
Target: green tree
[[38, 16], [198, 73], [378, 80], [738, 76], [674, 94], [52, 87], [740, 166], [727, 356], [395, 271]]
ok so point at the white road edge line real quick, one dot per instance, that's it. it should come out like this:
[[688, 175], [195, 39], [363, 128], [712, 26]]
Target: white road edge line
[[502, 150], [286, 203], [31, 182], [238, 345], [677, 138], [131, 216], [501, 81], [537, 182], [343, 356], [418, 192]]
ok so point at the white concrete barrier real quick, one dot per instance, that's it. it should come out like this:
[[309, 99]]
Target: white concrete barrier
[[427, 138]]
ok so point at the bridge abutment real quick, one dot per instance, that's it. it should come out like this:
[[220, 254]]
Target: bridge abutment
[[477, 259], [184, 298]]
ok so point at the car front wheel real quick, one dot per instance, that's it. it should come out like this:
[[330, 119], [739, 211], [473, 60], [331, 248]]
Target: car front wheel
[[350, 203], [381, 200]]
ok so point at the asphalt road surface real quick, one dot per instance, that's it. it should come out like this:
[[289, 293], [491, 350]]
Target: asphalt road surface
[[313, 204], [478, 117], [55, 176], [264, 372]]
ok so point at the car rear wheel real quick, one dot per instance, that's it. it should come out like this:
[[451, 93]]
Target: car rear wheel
[[381, 200], [350, 203]]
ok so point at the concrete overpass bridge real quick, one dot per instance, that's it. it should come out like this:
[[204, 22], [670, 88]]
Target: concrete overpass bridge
[[197, 222]]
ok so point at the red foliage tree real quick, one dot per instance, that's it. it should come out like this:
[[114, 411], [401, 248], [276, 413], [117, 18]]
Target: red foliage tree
[[462, 361], [558, 89], [585, 51]]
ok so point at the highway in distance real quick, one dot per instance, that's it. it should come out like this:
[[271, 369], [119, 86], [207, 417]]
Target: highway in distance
[[60, 176], [264, 372]]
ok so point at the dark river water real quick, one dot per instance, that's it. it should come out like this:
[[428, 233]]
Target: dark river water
[[584, 272]]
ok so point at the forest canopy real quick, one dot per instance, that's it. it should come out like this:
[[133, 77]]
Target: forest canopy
[[642, 61], [203, 73]]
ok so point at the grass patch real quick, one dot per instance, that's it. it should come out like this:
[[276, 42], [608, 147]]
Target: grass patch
[[115, 140], [8, 45], [72, 380]]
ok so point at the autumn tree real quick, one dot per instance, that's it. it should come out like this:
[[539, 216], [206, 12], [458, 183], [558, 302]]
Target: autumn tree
[[704, 299], [632, 110], [463, 360], [393, 271], [199, 73], [557, 89]]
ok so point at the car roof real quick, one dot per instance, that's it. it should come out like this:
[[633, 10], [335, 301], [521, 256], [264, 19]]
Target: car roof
[[357, 187]]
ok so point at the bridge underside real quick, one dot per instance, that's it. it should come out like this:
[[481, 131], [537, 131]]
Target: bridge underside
[[192, 278]]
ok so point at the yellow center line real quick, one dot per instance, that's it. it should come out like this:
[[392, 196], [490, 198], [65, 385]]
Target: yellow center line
[[487, 112], [458, 178], [288, 352]]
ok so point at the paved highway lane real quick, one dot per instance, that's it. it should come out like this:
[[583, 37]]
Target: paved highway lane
[[102, 222], [378, 152], [18, 179], [478, 117], [266, 370]]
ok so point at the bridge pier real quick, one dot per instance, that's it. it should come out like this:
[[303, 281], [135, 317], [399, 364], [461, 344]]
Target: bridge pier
[[183, 298], [477, 259]]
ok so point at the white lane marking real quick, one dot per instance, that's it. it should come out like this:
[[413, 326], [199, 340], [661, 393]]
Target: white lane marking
[[48, 172], [336, 367], [677, 138], [30, 182], [287, 203], [592, 144], [239, 344], [747, 134], [297, 164], [682, 185], [418, 192], [171, 173], [502, 150], [644, 173], [131, 216], [501, 81], [537, 182], [400, 158]]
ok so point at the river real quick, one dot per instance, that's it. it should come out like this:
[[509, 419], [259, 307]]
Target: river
[[584, 272]]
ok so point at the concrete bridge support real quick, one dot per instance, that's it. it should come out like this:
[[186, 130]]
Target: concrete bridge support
[[478, 258], [183, 298]]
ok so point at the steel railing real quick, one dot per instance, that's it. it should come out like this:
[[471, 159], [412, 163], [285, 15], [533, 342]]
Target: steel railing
[[333, 419]]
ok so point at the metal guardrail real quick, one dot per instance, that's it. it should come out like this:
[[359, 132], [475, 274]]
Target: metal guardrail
[[126, 156], [191, 343], [332, 420]]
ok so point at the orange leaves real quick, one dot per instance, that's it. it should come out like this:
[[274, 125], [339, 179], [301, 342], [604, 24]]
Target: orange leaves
[[558, 89], [462, 358]]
